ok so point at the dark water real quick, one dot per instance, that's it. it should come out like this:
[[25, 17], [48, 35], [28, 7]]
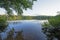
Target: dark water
[[31, 30]]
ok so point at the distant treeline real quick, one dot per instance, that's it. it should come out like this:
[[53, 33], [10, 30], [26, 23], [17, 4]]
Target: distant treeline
[[27, 17], [37, 17]]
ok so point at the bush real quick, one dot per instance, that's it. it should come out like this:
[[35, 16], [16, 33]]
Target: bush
[[55, 21], [3, 23], [53, 30]]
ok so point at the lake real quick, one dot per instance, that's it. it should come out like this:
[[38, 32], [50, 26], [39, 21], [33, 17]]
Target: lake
[[32, 29]]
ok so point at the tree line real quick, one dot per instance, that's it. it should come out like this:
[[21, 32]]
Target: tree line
[[29, 17]]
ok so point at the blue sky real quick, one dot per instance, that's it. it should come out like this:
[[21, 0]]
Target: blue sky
[[42, 7]]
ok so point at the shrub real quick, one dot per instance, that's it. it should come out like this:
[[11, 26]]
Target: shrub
[[55, 21], [53, 30], [3, 23]]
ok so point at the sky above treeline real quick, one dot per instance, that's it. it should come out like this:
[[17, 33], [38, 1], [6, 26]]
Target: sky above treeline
[[42, 7]]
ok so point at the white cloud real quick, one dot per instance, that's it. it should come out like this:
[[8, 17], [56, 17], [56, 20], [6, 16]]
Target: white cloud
[[44, 7], [2, 11]]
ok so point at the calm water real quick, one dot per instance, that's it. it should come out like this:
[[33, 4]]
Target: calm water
[[32, 30]]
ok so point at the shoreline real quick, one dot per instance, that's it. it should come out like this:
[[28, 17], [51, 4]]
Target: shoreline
[[42, 21]]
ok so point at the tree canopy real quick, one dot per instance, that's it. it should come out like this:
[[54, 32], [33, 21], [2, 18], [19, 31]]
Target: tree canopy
[[17, 5]]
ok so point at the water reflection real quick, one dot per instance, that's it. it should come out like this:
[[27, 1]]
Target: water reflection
[[31, 30]]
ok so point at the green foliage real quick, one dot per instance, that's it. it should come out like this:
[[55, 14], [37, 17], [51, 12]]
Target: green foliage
[[19, 17], [29, 18], [55, 21], [48, 31], [15, 18], [3, 23], [53, 30], [17, 5], [46, 24]]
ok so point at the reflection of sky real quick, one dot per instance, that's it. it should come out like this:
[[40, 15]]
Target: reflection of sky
[[30, 29], [43, 7]]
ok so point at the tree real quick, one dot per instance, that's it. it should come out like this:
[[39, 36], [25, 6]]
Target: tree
[[54, 29], [58, 13], [17, 5], [3, 23]]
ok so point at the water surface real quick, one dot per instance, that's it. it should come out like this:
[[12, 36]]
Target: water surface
[[32, 30]]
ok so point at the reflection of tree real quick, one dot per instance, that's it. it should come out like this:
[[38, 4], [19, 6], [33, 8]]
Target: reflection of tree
[[3, 23], [11, 35], [19, 36], [0, 37]]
